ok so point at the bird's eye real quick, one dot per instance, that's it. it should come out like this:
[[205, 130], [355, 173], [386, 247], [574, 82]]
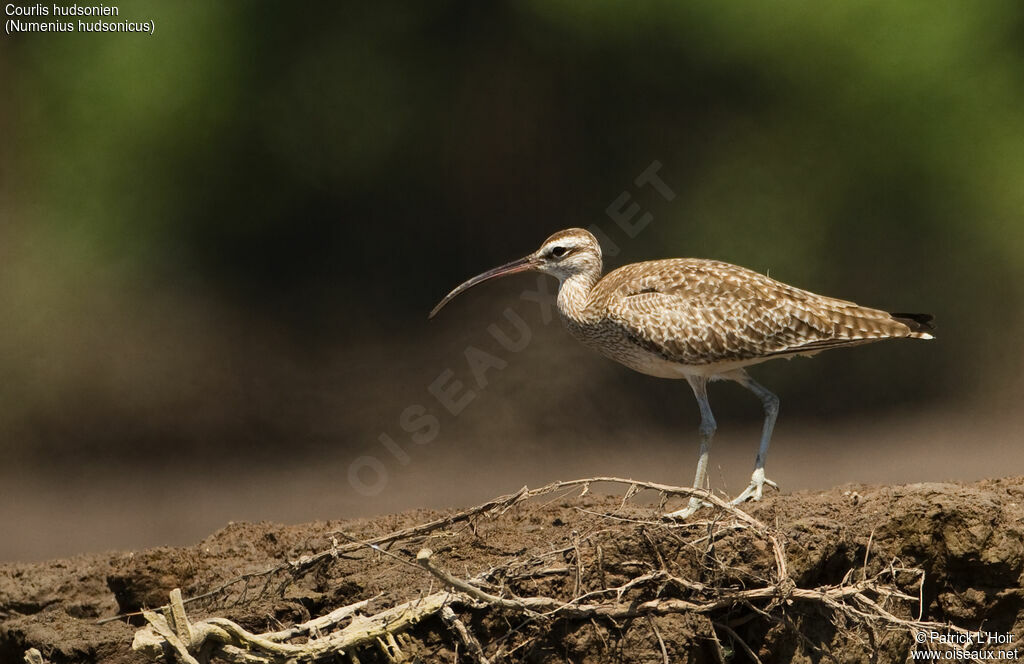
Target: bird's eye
[[558, 252]]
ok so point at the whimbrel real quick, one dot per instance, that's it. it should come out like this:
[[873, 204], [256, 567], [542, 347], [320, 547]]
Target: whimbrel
[[700, 320]]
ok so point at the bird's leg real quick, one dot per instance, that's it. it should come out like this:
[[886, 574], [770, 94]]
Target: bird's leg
[[771, 411], [707, 430]]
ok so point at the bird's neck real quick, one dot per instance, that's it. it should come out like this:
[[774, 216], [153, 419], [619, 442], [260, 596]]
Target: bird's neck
[[574, 294]]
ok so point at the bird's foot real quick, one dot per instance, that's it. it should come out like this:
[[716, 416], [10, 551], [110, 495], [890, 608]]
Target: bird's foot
[[685, 513], [756, 488]]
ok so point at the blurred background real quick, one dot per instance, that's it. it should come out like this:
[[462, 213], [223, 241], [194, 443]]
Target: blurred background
[[219, 244]]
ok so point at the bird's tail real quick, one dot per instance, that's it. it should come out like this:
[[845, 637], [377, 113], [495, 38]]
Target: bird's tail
[[920, 325]]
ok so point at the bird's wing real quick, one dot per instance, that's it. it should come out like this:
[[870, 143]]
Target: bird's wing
[[697, 311]]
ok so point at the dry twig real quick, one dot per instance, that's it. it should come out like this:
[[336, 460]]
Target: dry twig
[[172, 633]]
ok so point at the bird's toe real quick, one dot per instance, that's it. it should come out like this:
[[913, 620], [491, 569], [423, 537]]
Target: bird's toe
[[685, 513], [747, 494], [756, 489]]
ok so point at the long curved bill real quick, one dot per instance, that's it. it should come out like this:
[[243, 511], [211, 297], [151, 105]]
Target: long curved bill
[[521, 265]]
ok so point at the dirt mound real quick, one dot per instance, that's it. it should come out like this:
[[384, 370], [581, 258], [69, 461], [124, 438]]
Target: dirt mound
[[853, 574]]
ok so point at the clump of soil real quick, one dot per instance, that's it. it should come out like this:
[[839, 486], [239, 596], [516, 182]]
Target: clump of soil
[[966, 541]]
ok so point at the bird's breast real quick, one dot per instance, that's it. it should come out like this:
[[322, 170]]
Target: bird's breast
[[612, 342]]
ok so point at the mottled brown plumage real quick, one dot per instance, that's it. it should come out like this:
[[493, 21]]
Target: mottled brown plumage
[[710, 315], [698, 319]]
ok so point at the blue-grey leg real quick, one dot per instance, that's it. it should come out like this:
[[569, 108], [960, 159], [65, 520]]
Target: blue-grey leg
[[771, 411], [707, 431]]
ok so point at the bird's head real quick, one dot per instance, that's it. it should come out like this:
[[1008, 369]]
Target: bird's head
[[563, 255]]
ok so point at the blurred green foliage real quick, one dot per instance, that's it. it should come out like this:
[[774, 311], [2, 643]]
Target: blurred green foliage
[[326, 171]]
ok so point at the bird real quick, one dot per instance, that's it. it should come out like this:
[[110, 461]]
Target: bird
[[699, 320]]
